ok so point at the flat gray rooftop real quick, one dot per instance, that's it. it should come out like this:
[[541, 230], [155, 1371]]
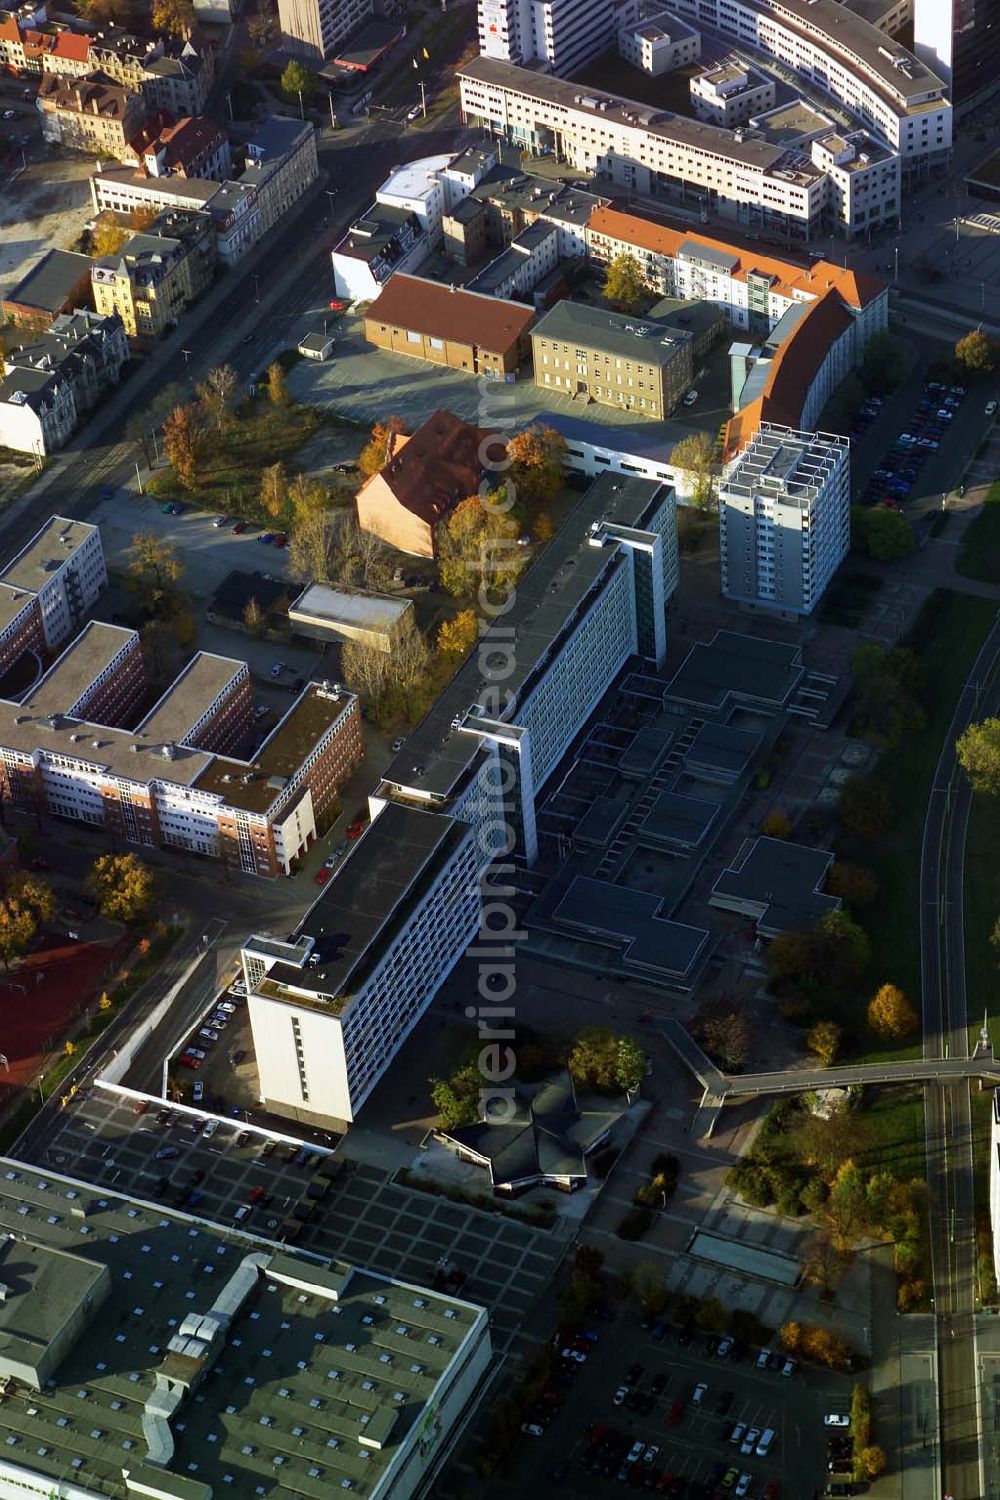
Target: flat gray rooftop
[[782, 880], [548, 596], [368, 897], [651, 743], [45, 554], [624, 918], [188, 697], [328, 1375], [674, 819], [94, 649], [612, 333], [743, 668], [722, 749], [601, 821]]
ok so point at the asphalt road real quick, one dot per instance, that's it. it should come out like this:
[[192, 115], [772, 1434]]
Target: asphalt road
[[948, 1123]]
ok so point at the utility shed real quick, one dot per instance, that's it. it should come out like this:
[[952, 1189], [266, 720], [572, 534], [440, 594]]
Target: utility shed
[[329, 614]]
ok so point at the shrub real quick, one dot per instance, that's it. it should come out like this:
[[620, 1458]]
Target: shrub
[[635, 1224]]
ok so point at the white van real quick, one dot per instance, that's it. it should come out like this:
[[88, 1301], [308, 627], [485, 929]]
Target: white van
[[766, 1439]]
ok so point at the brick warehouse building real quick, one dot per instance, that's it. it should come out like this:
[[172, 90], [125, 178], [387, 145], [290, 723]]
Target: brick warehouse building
[[175, 780]]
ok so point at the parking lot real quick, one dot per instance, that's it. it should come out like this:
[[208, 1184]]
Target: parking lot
[[897, 476], [688, 1445], [364, 1218]]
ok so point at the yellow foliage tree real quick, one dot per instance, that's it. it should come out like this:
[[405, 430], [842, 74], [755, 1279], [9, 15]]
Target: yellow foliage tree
[[777, 825], [824, 1040], [458, 636], [890, 1015]]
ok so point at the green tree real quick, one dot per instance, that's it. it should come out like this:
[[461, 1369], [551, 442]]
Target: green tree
[[477, 548], [976, 352], [695, 454], [883, 365], [297, 79], [594, 1058], [537, 458], [978, 751], [886, 684], [824, 1141], [123, 885], [624, 286], [888, 535], [154, 573], [630, 1064], [865, 808], [457, 1098]]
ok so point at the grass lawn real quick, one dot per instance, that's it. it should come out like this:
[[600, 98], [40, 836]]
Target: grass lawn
[[946, 638], [982, 908], [261, 434], [980, 553], [896, 1119]]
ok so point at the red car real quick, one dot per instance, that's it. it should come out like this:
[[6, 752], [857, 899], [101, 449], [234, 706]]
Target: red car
[[770, 1490], [355, 829], [140, 1107], [281, 540], [337, 306], [239, 528], [675, 1413], [187, 1061], [321, 876], [256, 1194]]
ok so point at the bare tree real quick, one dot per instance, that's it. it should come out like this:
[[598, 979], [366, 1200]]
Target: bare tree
[[360, 559], [310, 541], [216, 393]]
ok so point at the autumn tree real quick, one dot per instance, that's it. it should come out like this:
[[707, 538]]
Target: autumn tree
[[542, 527], [537, 459], [624, 286], [887, 685], [695, 455], [822, 1264], [630, 1064], [184, 442], [378, 449], [18, 926], [253, 618], [33, 893], [827, 958], [310, 538], [870, 1462], [724, 1033], [865, 808], [824, 1040], [847, 1212], [890, 1015], [457, 637], [297, 79], [776, 825], [588, 1260], [176, 17], [824, 1141], [154, 572], [852, 883], [216, 393], [593, 1057], [394, 683], [477, 547], [976, 352], [274, 490], [978, 751], [277, 385], [360, 559], [108, 235], [123, 886]]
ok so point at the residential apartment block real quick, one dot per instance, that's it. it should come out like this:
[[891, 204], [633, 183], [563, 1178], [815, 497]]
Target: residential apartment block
[[171, 74], [330, 1008], [730, 94], [157, 274], [193, 147], [784, 519], [886, 88], [91, 113], [658, 42], [130, 1328], [611, 358], [49, 383], [62, 569]]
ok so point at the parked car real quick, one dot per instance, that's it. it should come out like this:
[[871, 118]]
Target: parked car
[[210, 1129], [140, 1107], [197, 1091], [836, 1419], [187, 1060], [220, 521], [699, 1393], [532, 1429], [239, 528], [165, 1153]]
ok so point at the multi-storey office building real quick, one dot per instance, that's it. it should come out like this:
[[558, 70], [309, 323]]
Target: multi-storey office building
[[314, 28], [658, 41], [649, 151], [889, 90], [729, 94], [784, 519], [596, 596], [331, 1008], [958, 40], [561, 36], [633, 363], [63, 567], [147, 1352]]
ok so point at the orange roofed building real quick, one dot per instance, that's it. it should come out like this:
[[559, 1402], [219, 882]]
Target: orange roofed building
[[422, 480]]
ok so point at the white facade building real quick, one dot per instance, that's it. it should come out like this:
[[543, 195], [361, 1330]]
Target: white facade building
[[784, 519], [659, 42], [729, 95], [528, 259], [596, 597], [419, 188], [889, 90], [560, 35], [331, 1009], [64, 565]]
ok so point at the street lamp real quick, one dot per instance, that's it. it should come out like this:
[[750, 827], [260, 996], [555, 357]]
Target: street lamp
[[256, 288]]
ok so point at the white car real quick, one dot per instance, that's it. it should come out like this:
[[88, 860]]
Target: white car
[[699, 1393], [620, 1396], [226, 1007], [749, 1442], [651, 1454], [836, 1419], [991, 408], [690, 398], [725, 1345], [532, 1429], [219, 522], [574, 1354], [743, 1484], [414, 113], [210, 1130], [763, 1359], [788, 1368], [238, 987], [10, 114], [635, 1452]]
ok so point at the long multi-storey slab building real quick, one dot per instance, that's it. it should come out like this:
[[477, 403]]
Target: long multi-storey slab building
[[146, 1352], [178, 779], [331, 1006]]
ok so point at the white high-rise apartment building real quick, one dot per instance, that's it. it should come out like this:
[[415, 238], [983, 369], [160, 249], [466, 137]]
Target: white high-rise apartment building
[[784, 519], [63, 565], [562, 35]]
